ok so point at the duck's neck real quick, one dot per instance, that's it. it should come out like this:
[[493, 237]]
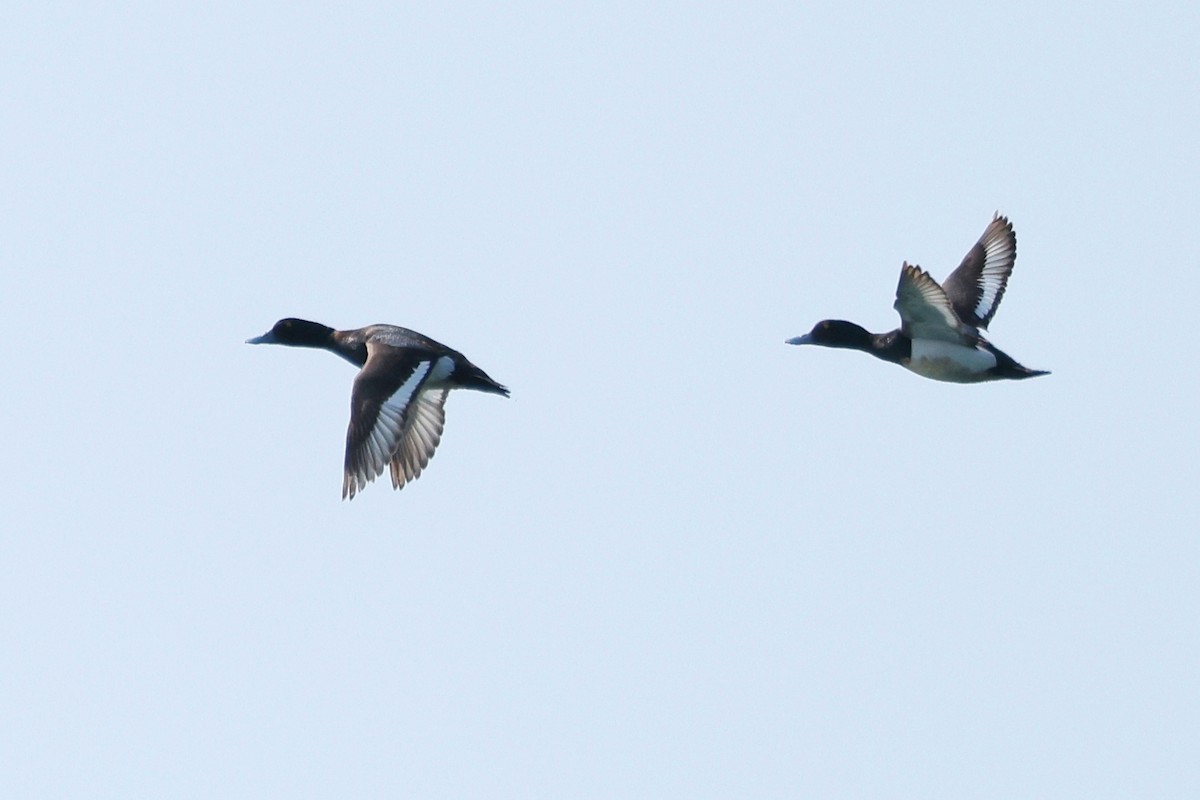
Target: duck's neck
[[893, 346], [342, 343], [351, 348]]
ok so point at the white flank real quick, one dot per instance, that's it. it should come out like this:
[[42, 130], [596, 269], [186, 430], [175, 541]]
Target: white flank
[[946, 361], [443, 368]]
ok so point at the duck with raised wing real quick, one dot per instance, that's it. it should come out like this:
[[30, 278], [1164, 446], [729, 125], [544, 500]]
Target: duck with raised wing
[[396, 405], [940, 334]]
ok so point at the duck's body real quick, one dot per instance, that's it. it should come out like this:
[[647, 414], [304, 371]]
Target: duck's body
[[940, 325], [396, 405]]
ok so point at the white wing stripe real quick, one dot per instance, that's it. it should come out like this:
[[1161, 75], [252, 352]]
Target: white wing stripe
[[401, 397], [997, 261]]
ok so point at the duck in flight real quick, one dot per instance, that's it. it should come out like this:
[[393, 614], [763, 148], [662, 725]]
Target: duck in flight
[[396, 405], [940, 334]]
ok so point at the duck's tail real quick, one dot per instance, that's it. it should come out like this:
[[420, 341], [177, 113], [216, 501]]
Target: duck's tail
[[1021, 372], [1007, 368], [469, 376]]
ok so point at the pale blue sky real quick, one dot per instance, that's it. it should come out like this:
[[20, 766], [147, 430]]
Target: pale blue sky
[[685, 559]]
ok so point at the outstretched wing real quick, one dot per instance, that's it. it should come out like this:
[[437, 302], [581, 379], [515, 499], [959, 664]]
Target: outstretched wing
[[925, 310], [387, 418], [422, 433], [977, 286]]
